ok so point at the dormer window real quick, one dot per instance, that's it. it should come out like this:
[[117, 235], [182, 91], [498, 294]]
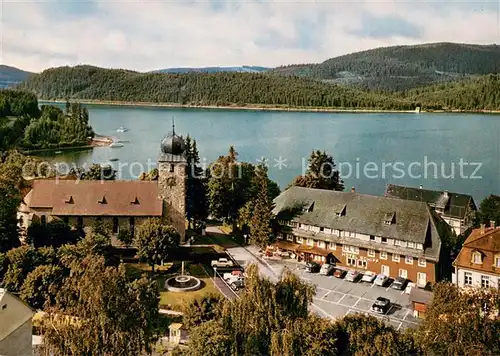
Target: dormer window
[[70, 200], [135, 201], [389, 218], [497, 261], [103, 200], [477, 258], [308, 208], [340, 210]]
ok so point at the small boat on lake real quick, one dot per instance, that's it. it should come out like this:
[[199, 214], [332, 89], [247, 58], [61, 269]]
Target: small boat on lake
[[116, 145], [122, 129], [58, 152], [114, 159]]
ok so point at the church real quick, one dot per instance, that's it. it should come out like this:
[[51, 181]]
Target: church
[[123, 204]]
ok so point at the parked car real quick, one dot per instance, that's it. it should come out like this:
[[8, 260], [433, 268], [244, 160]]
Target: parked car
[[381, 280], [339, 273], [352, 276], [222, 262], [238, 284], [381, 305], [399, 283], [327, 269], [369, 277], [232, 275], [312, 267]]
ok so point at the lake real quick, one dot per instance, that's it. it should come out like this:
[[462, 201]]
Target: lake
[[455, 152]]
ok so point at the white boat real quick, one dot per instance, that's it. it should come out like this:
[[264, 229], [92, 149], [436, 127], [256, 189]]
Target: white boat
[[116, 145], [113, 159], [122, 129]]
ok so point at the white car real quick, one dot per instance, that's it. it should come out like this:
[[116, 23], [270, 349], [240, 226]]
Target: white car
[[326, 269], [381, 280], [222, 262], [369, 277]]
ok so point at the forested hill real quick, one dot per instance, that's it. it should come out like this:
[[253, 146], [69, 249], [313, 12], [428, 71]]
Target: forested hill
[[481, 93], [92, 83], [10, 76], [400, 68]]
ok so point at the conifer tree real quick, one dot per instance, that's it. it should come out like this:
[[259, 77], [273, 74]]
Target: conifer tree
[[260, 224]]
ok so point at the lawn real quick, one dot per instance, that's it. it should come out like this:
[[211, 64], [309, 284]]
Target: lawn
[[174, 300]]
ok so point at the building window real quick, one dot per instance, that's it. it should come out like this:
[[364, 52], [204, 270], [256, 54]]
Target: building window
[[467, 278], [321, 244], [395, 257], [352, 249], [476, 257], [411, 245], [384, 240], [299, 240], [409, 260], [403, 273], [321, 229], [362, 263], [421, 279], [371, 253], [351, 260], [372, 238], [422, 262], [383, 255], [43, 220], [115, 225], [171, 168], [310, 242], [420, 246], [300, 226], [132, 225], [485, 281], [333, 246], [289, 237], [497, 261], [397, 242]]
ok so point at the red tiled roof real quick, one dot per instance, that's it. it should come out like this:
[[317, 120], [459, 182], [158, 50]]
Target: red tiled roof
[[96, 198], [487, 243]]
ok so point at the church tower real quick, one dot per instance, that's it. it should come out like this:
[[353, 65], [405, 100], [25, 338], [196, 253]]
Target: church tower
[[172, 180]]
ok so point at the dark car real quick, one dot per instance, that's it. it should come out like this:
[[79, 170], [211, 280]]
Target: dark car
[[238, 284], [312, 267], [381, 305], [399, 283], [339, 273]]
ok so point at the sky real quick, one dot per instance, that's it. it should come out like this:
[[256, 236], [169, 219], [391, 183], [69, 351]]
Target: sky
[[146, 35]]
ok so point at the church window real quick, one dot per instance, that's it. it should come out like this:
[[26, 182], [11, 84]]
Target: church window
[[172, 168], [115, 225], [43, 220]]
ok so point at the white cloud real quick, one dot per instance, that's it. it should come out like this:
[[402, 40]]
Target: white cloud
[[146, 35]]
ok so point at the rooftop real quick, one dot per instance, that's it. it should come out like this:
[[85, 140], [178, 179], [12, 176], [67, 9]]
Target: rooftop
[[485, 241], [96, 198], [454, 205], [398, 219]]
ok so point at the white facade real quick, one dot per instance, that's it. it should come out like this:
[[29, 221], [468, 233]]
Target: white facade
[[472, 278]]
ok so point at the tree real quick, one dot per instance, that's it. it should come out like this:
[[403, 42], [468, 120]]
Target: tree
[[489, 210], [200, 310], [10, 198], [321, 173], [90, 317], [41, 286], [125, 237], [23, 260], [95, 172], [155, 240], [56, 233], [196, 200], [260, 223], [209, 339], [461, 322]]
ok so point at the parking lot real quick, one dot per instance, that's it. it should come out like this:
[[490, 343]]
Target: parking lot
[[336, 297]]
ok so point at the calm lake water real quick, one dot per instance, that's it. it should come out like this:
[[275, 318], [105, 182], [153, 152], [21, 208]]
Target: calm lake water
[[457, 152]]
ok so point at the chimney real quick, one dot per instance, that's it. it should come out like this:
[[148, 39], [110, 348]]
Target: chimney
[[482, 228], [353, 190], [421, 186], [445, 193], [492, 223]]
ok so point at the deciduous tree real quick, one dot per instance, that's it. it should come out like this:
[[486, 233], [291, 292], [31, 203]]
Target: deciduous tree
[[155, 240], [41, 285], [200, 310]]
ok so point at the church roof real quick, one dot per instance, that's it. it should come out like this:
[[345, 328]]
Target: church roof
[[96, 198]]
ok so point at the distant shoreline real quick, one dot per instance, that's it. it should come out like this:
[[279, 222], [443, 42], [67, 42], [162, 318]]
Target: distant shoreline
[[262, 107]]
